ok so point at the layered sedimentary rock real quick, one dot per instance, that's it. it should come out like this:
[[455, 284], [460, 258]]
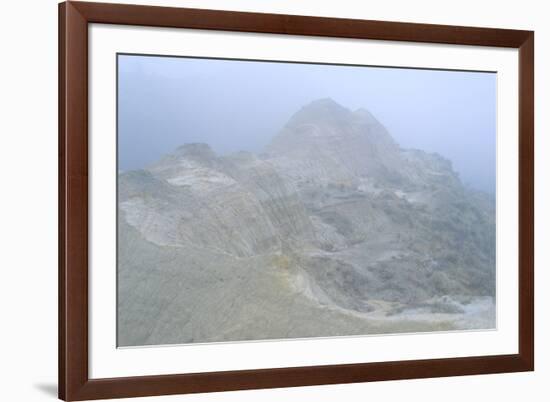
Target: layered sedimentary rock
[[333, 230]]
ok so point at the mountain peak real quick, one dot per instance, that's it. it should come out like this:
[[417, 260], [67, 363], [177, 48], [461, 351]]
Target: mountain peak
[[324, 133], [196, 150], [195, 153], [324, 103], [320, 110]]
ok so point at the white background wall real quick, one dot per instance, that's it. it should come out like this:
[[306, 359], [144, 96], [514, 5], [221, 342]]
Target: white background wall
[[28, 200]]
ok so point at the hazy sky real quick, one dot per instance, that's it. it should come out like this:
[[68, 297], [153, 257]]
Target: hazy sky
[[165, 102]]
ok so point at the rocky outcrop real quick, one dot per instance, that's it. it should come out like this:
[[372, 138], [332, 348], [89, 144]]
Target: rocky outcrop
[[333, 230]]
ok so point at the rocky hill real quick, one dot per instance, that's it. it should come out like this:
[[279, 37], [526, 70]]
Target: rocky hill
[[333, 230]]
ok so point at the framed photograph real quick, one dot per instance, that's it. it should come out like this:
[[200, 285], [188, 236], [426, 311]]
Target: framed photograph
[[261, 200]]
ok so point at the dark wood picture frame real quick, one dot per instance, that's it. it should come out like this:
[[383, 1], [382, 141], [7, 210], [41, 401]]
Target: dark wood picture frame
[[74, 381]]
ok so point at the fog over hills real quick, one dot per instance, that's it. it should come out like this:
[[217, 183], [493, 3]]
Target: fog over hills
[[333, 230]]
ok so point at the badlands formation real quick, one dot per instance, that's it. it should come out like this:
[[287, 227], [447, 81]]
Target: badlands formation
[[333, 230]]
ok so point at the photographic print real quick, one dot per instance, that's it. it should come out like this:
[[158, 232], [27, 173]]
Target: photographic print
[[263, 200]]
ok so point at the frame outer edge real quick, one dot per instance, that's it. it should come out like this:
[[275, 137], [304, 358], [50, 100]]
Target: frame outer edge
[[526, 201], [74, 383], [73, 202], [62, 352], [241, 21]]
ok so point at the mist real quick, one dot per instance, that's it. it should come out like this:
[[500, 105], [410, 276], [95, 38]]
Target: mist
[[164, 102]]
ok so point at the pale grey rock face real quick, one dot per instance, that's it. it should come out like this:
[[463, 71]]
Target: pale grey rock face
[[333, 230], [325, 142]]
